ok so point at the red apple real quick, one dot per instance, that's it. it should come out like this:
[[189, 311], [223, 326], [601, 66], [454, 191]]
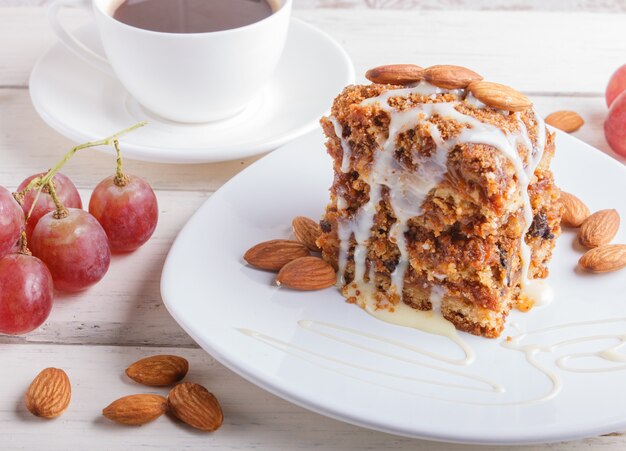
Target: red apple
[[615, 125], [617, 85]]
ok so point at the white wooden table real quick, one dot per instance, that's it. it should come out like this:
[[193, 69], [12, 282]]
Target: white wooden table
[[561, 59]]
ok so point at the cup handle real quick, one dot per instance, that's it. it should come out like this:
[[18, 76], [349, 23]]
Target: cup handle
[[70, 41]]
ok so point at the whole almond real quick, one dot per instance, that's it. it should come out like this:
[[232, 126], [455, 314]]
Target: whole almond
[[195, 405], [49, 394], [307, 273], [609, 257], [450, 77], [135, 410], [499, 96], [273, 255], [395, 74], [567, 121], [599, 228], [158, 370], [574, 210], [307, 232]]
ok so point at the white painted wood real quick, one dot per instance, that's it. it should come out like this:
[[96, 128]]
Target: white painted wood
[[92, 335], [254, 419], [528, 5], [535, 52], [485, 5]]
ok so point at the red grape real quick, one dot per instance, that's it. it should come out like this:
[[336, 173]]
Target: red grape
[[66, 191], [128, 213], [26, 293], [75, 248], [617, 85], [11, 222], [615, 125]]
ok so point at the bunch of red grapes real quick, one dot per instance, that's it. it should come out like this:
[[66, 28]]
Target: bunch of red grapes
[[615, 124], [48, 242]]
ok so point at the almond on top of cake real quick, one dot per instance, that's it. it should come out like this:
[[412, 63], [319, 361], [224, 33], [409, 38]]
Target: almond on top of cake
[[442, 197]]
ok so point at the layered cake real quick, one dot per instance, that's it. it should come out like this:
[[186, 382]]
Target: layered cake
[[442, 198]]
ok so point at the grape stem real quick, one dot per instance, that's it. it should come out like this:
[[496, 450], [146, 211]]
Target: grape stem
[[61, 212], [24, 245], [40, 182], [32, 207], [121, 179]]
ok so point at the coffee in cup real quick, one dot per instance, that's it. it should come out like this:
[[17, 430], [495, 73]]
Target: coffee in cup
[[192, 16]]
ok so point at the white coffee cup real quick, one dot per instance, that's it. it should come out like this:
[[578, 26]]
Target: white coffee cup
[[184, 77]]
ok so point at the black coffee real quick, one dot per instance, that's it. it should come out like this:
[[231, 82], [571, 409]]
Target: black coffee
[[191, 16]]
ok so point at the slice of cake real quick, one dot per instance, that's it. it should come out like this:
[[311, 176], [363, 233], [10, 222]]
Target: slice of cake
[[442, 196]]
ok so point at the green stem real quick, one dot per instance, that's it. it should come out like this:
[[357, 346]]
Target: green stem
[[102, 142], [39, 182], [32, 207], [61, 211]]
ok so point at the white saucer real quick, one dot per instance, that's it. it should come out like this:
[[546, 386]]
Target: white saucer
[[83, 103]]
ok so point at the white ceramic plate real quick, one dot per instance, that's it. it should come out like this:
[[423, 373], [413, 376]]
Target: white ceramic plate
[[296, 345], [83, 103]]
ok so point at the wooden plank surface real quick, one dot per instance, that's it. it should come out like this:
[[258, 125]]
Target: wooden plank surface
[[491, 5], [563, 64], [253, 418], [573, 53]]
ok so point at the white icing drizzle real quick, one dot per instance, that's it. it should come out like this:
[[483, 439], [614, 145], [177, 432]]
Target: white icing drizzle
[[344, 234], [537, 290], [329, 331], [314, 357], [403, 315], [471, 100], [341, 203], [408, 189], [612, 356], [345, 146], [323, 328], [436, 298]]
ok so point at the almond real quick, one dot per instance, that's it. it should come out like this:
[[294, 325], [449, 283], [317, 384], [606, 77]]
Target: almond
[[574, 210], [567, 121], [49, 394], [307, 232], [599, 228], [307, 273], [195, 405], [135, 410], [609, 257], [158, 370], [395, 74], [273, 255], [499, 96], [450, 77]]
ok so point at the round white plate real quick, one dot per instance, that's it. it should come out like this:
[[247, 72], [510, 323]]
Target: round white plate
[[296, 345], [83, 103]]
